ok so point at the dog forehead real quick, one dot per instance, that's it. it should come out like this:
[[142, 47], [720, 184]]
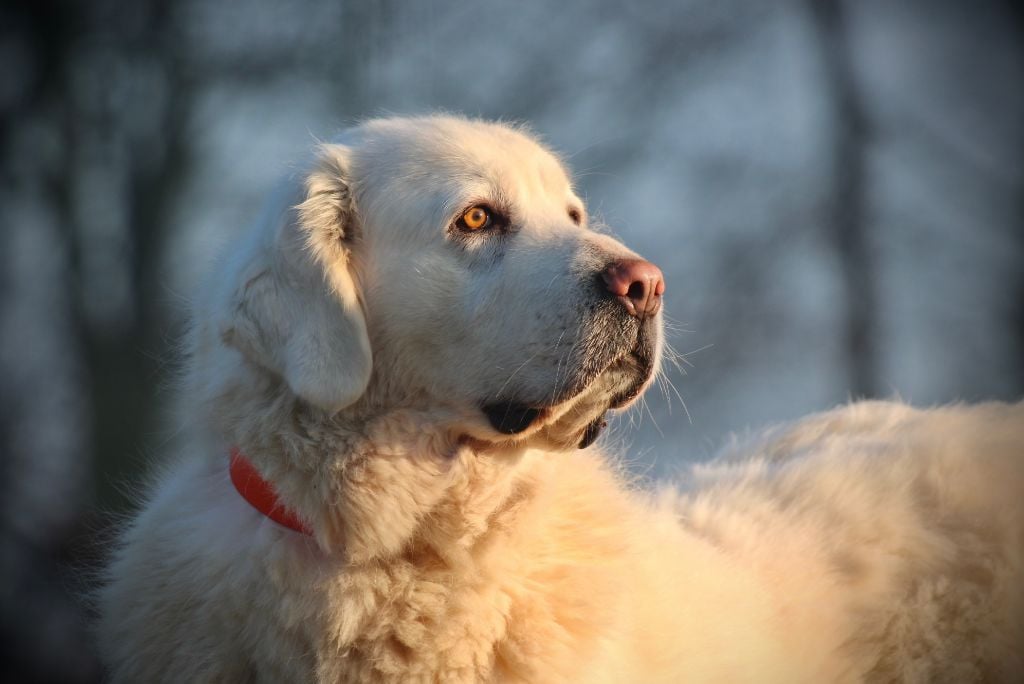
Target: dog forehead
[[455, 156]]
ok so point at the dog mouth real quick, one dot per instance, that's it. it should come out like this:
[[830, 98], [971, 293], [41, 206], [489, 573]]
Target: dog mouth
[[580, 417], [512, 418]]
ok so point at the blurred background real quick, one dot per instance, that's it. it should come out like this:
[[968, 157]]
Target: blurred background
[[834, 191]]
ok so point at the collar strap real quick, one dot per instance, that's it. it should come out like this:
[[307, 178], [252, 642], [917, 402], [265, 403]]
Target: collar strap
[[260, 494]]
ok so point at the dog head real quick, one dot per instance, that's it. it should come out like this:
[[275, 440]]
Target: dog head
[[446, 263]]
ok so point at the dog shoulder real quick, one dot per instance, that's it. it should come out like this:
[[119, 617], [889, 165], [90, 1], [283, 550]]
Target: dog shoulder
[[908, 522]]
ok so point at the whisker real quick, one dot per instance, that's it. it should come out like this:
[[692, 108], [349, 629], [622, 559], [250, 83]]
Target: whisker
[[665, 382], [673, 324], [521, 366], [682, 402], [557, 387], [654, 421]]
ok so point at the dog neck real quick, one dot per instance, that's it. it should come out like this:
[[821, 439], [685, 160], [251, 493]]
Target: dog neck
[[261, 494], [368, 485]]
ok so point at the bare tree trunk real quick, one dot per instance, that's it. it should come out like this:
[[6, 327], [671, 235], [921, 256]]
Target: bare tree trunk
[[44, 430], [845, 211], [1017, 322]]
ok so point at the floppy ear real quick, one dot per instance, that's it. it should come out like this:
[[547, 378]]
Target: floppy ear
[[298, 312]]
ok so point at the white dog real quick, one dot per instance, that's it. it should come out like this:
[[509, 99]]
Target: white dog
[[400, 364]]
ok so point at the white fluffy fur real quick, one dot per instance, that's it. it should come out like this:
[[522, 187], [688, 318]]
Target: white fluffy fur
[[344, 346]]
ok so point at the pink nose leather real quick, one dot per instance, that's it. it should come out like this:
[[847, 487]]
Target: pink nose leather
[[638, 284]]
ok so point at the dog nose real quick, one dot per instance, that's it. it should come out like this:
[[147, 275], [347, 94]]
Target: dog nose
[[638, 284]]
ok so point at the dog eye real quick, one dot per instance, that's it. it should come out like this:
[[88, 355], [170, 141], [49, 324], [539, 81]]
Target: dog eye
[[475, 218], [575, 216]]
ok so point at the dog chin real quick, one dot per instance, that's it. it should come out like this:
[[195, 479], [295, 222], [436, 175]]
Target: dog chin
[[576, 421], [576, 424]]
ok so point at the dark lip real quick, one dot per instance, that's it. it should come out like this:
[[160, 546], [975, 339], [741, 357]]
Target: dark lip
[[592, 431], [646, 364], [511, 417], [641, 355]]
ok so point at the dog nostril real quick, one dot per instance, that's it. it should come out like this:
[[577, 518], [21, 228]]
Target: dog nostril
[[638, 284]]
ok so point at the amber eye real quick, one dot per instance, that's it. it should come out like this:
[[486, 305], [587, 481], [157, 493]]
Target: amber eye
[[476, 218]]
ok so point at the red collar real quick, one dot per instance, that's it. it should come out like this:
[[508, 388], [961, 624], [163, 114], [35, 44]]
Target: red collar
[[260, 494]]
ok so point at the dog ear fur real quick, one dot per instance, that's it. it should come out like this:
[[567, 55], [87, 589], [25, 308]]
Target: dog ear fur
[[298, 312]]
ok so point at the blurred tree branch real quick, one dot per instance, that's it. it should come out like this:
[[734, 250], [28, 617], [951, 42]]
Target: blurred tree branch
[[845, 210]]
